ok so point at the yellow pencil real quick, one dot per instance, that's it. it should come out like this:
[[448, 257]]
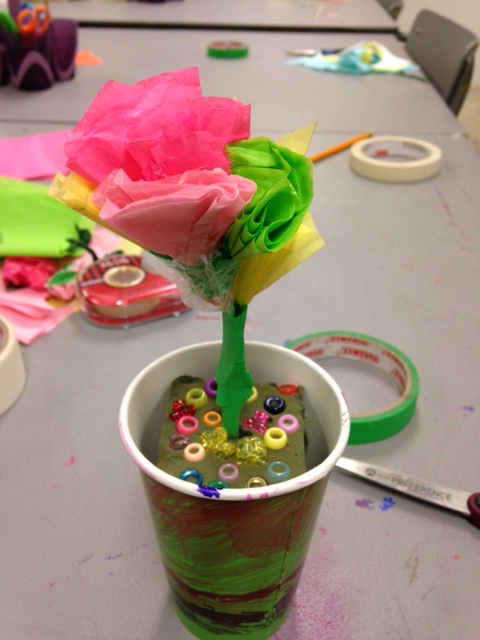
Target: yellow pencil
[[339, 147]]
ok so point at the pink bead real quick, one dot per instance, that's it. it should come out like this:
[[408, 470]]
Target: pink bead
[[257, 423], [228, 472], [288, 423], [186, 425]]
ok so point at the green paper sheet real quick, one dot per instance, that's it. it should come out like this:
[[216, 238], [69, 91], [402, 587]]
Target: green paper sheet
[[35, 225], [234, 382]]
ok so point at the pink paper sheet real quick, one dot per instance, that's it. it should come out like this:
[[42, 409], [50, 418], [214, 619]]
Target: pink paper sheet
[[35, 157], [29, 312]]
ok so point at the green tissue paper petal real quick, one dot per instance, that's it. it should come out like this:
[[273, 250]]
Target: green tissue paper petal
[[284, 182]]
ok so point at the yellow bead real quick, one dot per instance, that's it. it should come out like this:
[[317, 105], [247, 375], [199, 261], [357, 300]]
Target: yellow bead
[[256, 482], [226, 450], [254, 395], [275, 438], [213, 438], [197, 398], [251, 450]]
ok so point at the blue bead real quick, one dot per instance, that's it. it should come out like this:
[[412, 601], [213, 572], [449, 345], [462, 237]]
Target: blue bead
[[278, 471], [274, 405], [192, 473]]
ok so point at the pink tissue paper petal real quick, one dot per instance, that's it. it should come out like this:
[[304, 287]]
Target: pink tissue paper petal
[[183, 216], [191, 134], [96, 146]]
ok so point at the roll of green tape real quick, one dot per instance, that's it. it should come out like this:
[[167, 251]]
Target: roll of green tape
[[227, 49], [370, 427]]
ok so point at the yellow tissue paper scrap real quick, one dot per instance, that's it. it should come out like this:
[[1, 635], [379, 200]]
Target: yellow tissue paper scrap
[[258, 272]]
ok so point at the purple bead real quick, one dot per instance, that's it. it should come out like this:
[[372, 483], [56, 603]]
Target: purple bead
[[211, 388], [178, 442]]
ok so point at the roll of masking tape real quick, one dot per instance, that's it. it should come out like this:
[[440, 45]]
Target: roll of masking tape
[[12, 368], [370, 427], [395, 159]]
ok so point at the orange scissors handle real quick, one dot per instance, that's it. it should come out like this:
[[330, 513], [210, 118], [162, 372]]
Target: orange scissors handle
[[33, 22]]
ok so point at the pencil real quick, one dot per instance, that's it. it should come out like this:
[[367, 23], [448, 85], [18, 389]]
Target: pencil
[[339, 147]]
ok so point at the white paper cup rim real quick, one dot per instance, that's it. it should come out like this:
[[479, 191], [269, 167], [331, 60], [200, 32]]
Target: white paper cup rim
[[309, 477]]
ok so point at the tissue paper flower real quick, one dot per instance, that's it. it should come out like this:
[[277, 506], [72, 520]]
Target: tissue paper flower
[[223, 215], [28, 272]]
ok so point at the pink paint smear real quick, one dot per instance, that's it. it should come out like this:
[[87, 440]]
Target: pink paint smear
[[320, 609]]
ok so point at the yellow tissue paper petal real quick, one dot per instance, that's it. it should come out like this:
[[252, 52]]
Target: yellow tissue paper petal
[[76, 193], [130, 248], [258, 272], [298, 141]]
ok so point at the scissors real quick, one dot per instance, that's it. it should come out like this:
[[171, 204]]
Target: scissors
[[468, 504], [32, 23]]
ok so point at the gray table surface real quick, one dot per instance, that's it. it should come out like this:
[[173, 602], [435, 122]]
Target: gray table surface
[[401, 263], [306, 15], [282, 97]]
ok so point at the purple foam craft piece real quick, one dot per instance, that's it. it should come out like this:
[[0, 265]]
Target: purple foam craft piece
[[51, 58], [28, 69], [3, 61], [14, 8], [63, 42]]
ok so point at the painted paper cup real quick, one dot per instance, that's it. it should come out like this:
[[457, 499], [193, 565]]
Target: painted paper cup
[[233, 557]]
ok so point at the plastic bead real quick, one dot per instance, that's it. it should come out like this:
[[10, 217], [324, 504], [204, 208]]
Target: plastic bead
[[274, 405], [218, 484], [180, 409], [212, 419], [194, 452], [278, 471], [226, 450], [257, 423], [256, 481], [275, 438], [211, 388], [178, 442], [251, 450], [288, 423], [228, 472], [197, 398], [194, 474], [213, 438], [254, 395], [249, 424], [186, 425], [288, 389]]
